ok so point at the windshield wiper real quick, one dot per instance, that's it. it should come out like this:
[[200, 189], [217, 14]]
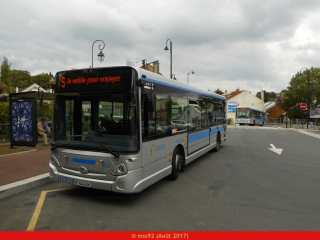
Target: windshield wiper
[[54, 146], [116, 155]]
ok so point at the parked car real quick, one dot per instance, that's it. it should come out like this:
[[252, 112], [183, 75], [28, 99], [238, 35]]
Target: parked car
[[182, 125], [153, 128]]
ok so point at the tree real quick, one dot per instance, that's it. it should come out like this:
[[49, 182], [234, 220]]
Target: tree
[[41, 78], [20, 78], [218, 91], [5, 72], [272, 95], [297, 92], [46, 110], [266, 96]]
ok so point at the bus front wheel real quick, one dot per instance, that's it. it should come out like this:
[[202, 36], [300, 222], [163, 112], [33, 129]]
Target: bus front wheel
[[216, 149], [177, 164]]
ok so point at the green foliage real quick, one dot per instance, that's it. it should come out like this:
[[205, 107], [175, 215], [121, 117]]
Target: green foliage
[[46, 110], [297, 92], [5, 73], [21, 78], [272, 95], [3, 88], [41, 79], [229, 121], [218, 91], [4, 113]]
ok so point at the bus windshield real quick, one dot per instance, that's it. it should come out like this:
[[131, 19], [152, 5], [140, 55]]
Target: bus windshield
[[243, 113], [107, 118], [90, 119]]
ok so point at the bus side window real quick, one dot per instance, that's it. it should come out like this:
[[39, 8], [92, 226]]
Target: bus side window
[[212, 116]]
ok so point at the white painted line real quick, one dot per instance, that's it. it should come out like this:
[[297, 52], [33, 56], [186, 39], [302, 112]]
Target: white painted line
[[23, 185], [276, 150]]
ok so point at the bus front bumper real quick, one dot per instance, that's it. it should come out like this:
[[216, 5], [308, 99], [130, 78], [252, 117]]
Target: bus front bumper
[[238, 121], [124, 184]]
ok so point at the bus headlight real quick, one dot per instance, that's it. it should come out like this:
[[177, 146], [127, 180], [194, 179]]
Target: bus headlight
[[118, 170], [54, 161]]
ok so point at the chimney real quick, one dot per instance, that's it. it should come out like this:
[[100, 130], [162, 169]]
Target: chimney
[[225, 91], [156, 67], [17, 89], [262, 95]]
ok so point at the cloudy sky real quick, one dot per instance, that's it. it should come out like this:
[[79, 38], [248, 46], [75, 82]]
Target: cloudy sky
[[250, 44]]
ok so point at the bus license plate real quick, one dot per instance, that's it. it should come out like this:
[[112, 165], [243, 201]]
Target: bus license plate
[[81, 183]]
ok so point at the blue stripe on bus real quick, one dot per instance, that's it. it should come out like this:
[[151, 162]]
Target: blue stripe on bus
[[198, 136], [215, 130], [152, 80], [79, 160], [205, 134]]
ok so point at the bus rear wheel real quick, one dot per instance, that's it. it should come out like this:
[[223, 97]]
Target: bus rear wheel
[[177, 164]]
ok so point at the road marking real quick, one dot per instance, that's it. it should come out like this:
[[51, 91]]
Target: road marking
[[276, 150], [37, 211], [309, 133]]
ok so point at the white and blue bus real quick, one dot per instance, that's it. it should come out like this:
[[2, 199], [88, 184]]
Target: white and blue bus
[[124, 128], [250, 116]]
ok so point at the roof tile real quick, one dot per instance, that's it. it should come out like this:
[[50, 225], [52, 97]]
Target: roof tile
[[233, 94]]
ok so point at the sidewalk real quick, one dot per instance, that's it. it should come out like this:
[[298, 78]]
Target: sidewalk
[[20, 166]]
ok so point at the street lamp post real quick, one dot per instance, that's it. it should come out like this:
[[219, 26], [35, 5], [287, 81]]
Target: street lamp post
[[100, 55], [166, 49], [192, 72], [308, 94]]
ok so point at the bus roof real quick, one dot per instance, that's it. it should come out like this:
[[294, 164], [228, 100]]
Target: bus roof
[[252, 109], [153, 77]]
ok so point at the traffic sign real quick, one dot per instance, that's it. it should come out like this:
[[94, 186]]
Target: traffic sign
[[69, 118], [303, 106]]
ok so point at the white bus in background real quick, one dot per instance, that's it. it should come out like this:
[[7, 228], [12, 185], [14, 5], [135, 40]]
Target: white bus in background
[[148, 131], [250, 116]]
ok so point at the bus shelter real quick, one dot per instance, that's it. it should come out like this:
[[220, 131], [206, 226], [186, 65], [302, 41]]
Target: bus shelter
[[23, 117]]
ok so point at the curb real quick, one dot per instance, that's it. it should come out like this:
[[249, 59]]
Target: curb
[[20, 186], [24, 151]]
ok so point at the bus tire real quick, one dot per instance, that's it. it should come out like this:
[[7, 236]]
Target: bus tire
[[177, 164], [216, 149]]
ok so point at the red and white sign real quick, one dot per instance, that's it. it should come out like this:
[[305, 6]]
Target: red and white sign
[[69, 118], [303, 106]]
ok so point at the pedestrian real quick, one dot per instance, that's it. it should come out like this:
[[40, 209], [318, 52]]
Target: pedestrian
[[44, 130]]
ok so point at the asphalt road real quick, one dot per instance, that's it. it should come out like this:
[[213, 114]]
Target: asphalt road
[[244, 186]]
